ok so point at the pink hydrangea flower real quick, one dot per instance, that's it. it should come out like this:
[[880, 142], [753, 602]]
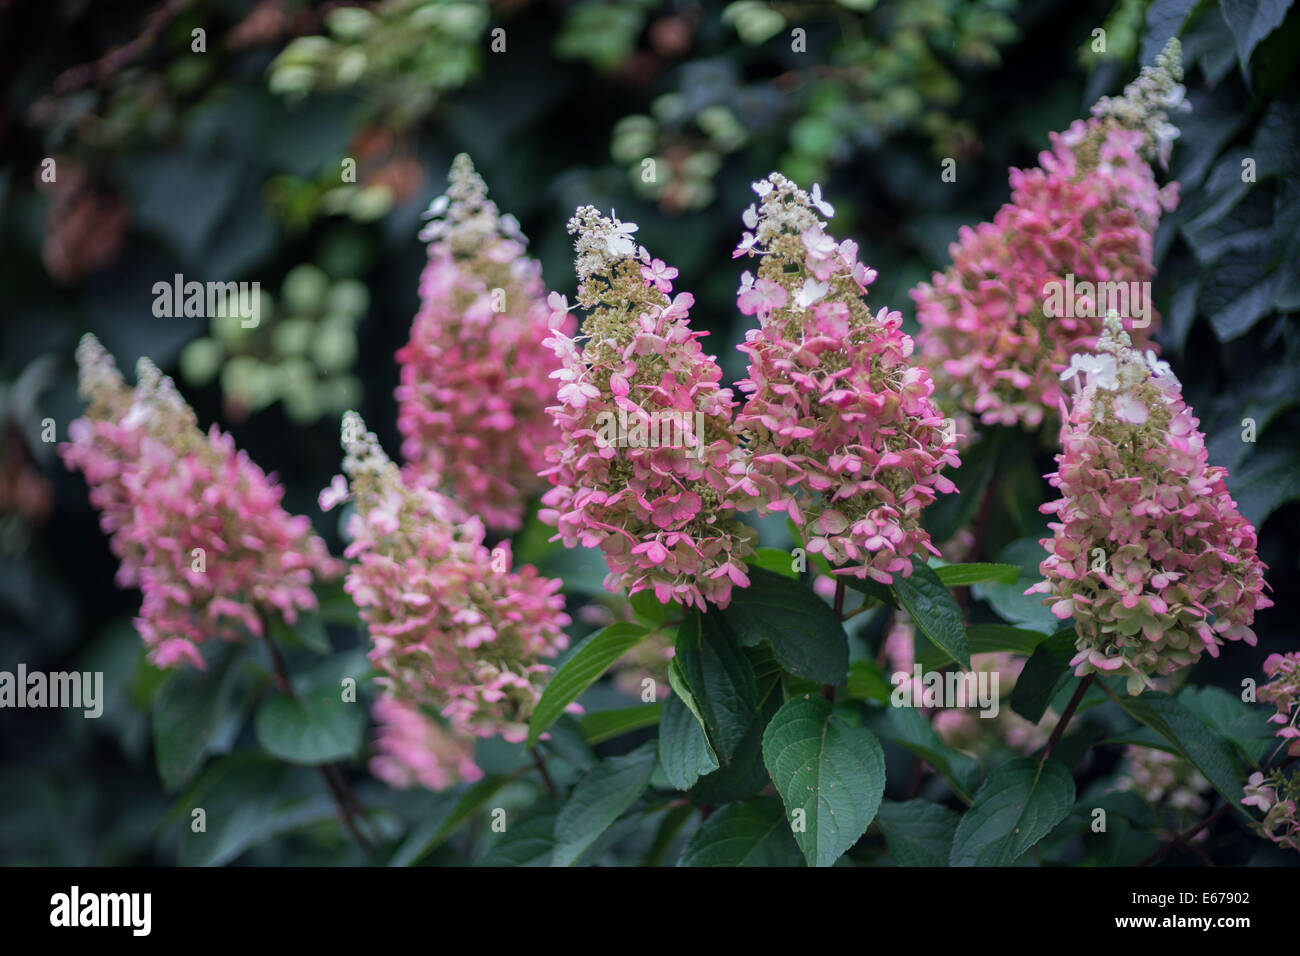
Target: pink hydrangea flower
[[1278, 798], [640, 468], [1149, 554], [453, 629], [992, 331], [840, 425], [474, 375], [1164, 780], [198, 525], [1283, 692], [413, 748]]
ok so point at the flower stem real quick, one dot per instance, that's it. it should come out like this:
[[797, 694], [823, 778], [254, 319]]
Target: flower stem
[[540, 762], [1070, 708], [335, 782], [1186, 835]]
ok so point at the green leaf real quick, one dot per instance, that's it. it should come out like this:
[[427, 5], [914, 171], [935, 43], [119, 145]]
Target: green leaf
[[316, 727], [584, 666], [805, 635], [666, 833], [720, 681], [1250, 21], [1010, 600], [598, 799], [684, 752], [752, 833], [650, 611], [1045, 673], [955, 575], [1183, 730], [309, 632], [918, 832], [934, 611], [187, 712], [434, 832], [774, 560], [988, 639], [1241, 724], [603, 725], [868, 682], [527, 841], [1019, 804], [246, 800], [907, 727], [834, 773]]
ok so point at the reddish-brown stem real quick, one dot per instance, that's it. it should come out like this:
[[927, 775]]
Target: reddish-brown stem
[[1061, 724], [1183, 837], [335, 782], [540, 762]]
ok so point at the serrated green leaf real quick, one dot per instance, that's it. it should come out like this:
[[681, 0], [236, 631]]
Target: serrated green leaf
[[433, 832], [804, 633], [908, 728], [313, 728], [684, 752], [720, 681], [751, 833], [1044, 674], [956, 575], [830, 775], [1020, 803], [528, 840], [584, 666], [598, 799], [602, 725], [1182, 729], [187, 711], [918, 832], [934, 611]]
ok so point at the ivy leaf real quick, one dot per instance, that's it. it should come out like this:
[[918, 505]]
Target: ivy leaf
[[1020, 803], [918, 832], [598, 798], [719, 679], [830, 775], [805, 635], [589, 660], [934, 611], [752, 833]]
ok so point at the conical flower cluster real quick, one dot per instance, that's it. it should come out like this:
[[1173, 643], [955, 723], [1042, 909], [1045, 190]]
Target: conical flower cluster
[[640, 467], [454, 630], [197, 525], [474, 375], [840, 424], [1031, 288], [1149, 554]]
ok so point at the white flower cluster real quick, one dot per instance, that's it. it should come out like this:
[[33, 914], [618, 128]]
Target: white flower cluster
[[602, 241], [1148, 101], [465, 214], [1121, 369]]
